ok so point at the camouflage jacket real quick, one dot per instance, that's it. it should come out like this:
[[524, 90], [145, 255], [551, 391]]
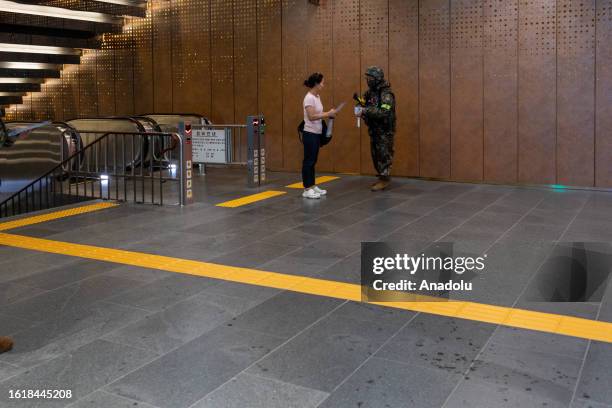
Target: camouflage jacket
[[379, 111]]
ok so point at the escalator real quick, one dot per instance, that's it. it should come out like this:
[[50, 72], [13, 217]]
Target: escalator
[[29, 150]]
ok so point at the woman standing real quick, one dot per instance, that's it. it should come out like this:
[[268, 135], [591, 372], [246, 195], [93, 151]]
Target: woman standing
[[313, 128]]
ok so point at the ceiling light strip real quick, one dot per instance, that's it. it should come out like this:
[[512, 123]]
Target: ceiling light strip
[[21, 80], [29, 65], [57, 12], [38, 49]]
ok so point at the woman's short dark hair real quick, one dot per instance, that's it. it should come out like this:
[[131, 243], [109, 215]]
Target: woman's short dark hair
[[313, 80]]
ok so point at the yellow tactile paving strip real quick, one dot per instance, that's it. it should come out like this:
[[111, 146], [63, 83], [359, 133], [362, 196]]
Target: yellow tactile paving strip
[[22, 222], [525, 319], [318, 180], [250, 199]]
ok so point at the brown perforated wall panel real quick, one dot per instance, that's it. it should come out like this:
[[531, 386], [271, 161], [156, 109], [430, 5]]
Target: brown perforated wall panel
[[294, 59], [70, 92], [270, 87], [575, 92], [245, 66], [374, 34], [466, 90], [143, 63], [537, 91], [41, 104], [320, 59], [404, 78], [105, 65], [191, 57], [494, 90], [88, 93], [221, 31], [161, 26], [434, 93], [500, 96], [124, 76], [347, 80], [603, 145]]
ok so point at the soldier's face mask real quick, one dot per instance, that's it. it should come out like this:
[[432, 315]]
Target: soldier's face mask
[[372, 82]]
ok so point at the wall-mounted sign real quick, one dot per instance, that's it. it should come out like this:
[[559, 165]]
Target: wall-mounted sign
[[211, 146]]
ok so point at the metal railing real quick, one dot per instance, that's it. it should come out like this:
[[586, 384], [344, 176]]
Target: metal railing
[[121, 166], [237, 146]]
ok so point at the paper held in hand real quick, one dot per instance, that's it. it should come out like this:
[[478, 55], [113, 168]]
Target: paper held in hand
[[330, 124]]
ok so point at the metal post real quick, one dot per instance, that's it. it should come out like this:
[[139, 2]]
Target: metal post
[[185, 163]]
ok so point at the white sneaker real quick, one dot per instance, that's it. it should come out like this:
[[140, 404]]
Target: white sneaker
[[311, 193], [320, 190]]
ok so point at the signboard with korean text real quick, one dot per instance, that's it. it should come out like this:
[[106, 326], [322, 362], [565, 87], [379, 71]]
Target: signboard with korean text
[[211, 145]]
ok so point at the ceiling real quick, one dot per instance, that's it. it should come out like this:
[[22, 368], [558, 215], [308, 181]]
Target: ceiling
[[37, 38]]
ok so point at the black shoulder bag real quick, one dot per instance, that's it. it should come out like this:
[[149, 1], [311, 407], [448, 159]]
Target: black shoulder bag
[[324, 139]]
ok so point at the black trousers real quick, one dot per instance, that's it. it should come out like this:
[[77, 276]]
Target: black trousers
[[312, 143]]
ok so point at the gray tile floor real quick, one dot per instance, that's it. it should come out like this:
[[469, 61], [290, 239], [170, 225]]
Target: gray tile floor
[[121, 336]]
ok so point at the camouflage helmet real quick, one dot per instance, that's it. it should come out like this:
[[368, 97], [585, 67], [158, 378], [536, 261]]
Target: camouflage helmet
[[375, 72]]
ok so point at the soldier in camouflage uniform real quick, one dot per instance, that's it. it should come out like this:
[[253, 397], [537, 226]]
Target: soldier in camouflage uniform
[[379, 114]]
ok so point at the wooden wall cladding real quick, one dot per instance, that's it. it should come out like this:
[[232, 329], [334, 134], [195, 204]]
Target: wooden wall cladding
[[500, 90], [245, 67], [88, 92], [105, 65], [319, 58], [190, 57], [575, 92], [374, 35], [434, 92], [466, 32], [163, 65], [294, 60], [404, 77], [269, 84], [42, 106], [603, 92], [142, 32], [70, 92], [346, 80], [123, 45], [222, 57], [510, 91], [537, 91]]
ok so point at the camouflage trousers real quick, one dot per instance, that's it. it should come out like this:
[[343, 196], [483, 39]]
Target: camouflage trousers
[[381, 144]]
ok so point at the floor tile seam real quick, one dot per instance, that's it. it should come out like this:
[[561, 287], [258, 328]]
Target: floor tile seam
[[466, 373], [79, 282], [43, 291], [46, 290], [146, 362], [282, 344], [391, 232], [171, 350], [276, 380], [288, 229], [517, 222], [422, 216], [314, 219], [368, 358], [459, 375], [74, 403], [586, 352], [394, 230], [472, 216], [120, 343], [63, 337], [169, 305]]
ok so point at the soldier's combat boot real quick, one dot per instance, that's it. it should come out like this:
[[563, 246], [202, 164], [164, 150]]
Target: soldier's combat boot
[[6, 343], [381, 184]]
